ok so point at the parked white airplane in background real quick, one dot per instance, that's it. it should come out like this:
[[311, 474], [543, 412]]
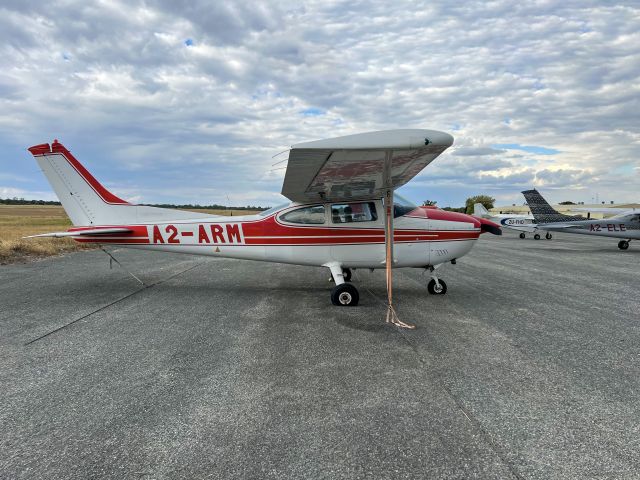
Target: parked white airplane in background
[[609, 212], [522, 223], [625, 225], [341, 215]]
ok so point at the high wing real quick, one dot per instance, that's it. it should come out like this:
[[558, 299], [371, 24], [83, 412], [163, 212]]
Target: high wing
[[353, 167], [611, 210], [627, 217]]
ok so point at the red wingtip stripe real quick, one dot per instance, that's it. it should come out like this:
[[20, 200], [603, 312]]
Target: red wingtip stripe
[[40, 149], [57, 147]]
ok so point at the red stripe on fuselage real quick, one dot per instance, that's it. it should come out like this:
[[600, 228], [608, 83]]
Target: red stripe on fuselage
[[269, 232]]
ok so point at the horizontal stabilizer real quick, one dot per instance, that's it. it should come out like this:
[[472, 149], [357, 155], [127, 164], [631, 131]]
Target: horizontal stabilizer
[[558, 227], [92, 232]]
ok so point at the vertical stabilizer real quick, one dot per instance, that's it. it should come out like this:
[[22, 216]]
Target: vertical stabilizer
[[86, 201], [479, 210], [82, 196], [543, 212]]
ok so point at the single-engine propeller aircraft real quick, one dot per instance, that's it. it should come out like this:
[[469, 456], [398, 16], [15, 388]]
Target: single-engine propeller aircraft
[[342, 213], [625, 225], [521, 223]]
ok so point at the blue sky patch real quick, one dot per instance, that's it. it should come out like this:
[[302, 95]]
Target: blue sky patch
[[188, 42], [527, 148], [312, 112]]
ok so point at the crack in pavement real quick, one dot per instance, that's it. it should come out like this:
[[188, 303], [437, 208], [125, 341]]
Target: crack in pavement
[[104, 307]]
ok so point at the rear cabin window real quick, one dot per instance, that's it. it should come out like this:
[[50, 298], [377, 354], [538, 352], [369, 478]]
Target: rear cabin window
[[353, 212], [306, 215]]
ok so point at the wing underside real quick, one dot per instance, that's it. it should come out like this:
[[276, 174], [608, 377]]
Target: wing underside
[[353, 167]]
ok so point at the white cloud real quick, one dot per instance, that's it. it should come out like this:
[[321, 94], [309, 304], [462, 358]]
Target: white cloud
[[167, 121]]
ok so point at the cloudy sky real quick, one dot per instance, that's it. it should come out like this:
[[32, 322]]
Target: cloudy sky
[[187, 101]]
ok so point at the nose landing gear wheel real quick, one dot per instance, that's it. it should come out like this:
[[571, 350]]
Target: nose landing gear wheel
[[536, 236], [548, 236], [623, 244], [435, 289], [522, 235], [345, 295]]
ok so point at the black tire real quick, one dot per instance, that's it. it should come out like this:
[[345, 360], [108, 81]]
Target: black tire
[[345, 295], [346, 273], [548, 236], [623, 244], [433, 290], [522, 235], [536, 236]]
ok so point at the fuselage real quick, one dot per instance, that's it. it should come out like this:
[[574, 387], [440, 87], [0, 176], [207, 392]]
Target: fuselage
[[524, 223], [627, 227], [350, 233]]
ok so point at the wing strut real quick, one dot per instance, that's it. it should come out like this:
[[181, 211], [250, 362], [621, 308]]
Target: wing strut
[[392, 316]]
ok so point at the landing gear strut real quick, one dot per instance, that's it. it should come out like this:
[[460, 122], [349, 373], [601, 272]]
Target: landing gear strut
[[623, 244], [346, 273]]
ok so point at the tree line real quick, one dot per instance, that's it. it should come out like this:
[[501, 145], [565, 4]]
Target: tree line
[[215, 206], [486, 200]]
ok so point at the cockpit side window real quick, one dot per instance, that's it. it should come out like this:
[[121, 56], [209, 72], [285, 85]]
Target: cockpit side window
[[353, 212]]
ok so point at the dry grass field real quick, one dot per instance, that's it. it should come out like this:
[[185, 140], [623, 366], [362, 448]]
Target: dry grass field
[[17, 221]]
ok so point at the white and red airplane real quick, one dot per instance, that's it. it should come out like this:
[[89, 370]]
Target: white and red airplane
[[341, 215]]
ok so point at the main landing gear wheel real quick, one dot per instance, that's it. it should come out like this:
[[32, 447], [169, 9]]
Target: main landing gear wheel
[[623, 244], [439, 288], [522, 235], [345, 295], [536, 236], [548, 236]]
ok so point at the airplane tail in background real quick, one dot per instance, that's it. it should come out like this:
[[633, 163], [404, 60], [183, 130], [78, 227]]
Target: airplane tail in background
[[480, 211], [85, 200], [543, 212]]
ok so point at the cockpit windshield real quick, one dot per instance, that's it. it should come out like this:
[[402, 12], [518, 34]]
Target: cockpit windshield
[[401, 206], [266, 213]]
